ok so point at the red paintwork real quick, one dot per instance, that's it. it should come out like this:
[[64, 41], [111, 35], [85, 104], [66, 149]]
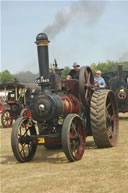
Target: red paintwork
[[71, 104], [26, 113], [1, 108]]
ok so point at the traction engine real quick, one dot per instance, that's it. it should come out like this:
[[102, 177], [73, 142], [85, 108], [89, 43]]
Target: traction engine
[[117, 81], [63, 113]]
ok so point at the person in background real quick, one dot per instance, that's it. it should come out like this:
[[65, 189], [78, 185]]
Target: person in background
[[74, 73], [99, 79]]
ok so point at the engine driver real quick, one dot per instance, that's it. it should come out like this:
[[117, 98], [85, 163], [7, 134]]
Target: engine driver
[[74, 73]]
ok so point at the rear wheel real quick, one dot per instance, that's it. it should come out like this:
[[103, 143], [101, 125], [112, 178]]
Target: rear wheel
[[104, 118], [6, 118], [23, 148], [73, 137]]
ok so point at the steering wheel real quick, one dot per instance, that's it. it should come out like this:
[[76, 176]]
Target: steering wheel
[[97, 85]]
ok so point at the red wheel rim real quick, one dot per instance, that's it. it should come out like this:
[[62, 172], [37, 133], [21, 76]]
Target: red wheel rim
[[122, 95], [111, 120], [77, 140], [26, 113]]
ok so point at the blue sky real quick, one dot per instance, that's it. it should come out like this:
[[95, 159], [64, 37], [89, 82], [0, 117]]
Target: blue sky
[[86, 33]]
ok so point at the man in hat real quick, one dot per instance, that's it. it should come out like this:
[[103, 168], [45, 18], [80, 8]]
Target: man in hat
[[99, 80], [74, 73]]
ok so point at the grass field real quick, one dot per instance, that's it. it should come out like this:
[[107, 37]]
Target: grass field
[[100, 170]]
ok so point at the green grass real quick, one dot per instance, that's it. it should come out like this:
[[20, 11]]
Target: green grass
[[99, 171]]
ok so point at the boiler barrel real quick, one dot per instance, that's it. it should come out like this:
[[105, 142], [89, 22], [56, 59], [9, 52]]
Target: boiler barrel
[[48, 107]]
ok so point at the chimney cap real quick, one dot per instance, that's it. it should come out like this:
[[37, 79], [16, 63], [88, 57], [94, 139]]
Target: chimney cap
[[41, 36]]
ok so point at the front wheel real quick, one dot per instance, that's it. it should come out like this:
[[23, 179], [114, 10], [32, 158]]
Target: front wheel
[[73, 137], [6, 119], [23, 147]]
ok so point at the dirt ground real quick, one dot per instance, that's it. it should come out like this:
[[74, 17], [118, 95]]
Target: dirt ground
[[99, 171]]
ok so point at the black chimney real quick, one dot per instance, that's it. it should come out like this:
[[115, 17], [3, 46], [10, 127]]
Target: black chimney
[[43, 57], [120, 71]]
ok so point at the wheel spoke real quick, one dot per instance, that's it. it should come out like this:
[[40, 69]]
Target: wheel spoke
[[109, 104], [86, 93], [73, 128], [112, 117], [29, 148], [7, 124], [89, 77], [73, 147], [109, 131], [22, 149]]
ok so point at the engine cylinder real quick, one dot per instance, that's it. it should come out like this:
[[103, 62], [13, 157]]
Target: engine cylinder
[[70, 104]]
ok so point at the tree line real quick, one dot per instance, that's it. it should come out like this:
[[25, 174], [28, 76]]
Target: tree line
[[21, 77], [108, 66], [29, 77]]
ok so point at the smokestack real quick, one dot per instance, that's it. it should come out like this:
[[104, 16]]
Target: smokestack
[[43, 57], [120, 71]]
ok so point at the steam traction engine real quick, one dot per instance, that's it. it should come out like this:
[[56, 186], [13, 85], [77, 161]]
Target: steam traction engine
[[65, 113], [13, 102], [117, 81]]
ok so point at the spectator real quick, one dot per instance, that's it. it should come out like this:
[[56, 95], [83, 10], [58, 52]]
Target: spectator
[[99, 80]]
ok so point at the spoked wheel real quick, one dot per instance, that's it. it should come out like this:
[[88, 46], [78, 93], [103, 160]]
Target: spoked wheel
[[23, 147], [86, 84], [73, 137], [1, 108], [6, 118], [104, 118]]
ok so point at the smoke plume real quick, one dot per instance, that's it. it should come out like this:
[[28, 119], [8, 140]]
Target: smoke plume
[[124, 57], [83, 10]]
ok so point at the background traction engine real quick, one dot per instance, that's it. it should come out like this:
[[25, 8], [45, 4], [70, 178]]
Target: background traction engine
[[66, 115], [117, 81], [14, 102]]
